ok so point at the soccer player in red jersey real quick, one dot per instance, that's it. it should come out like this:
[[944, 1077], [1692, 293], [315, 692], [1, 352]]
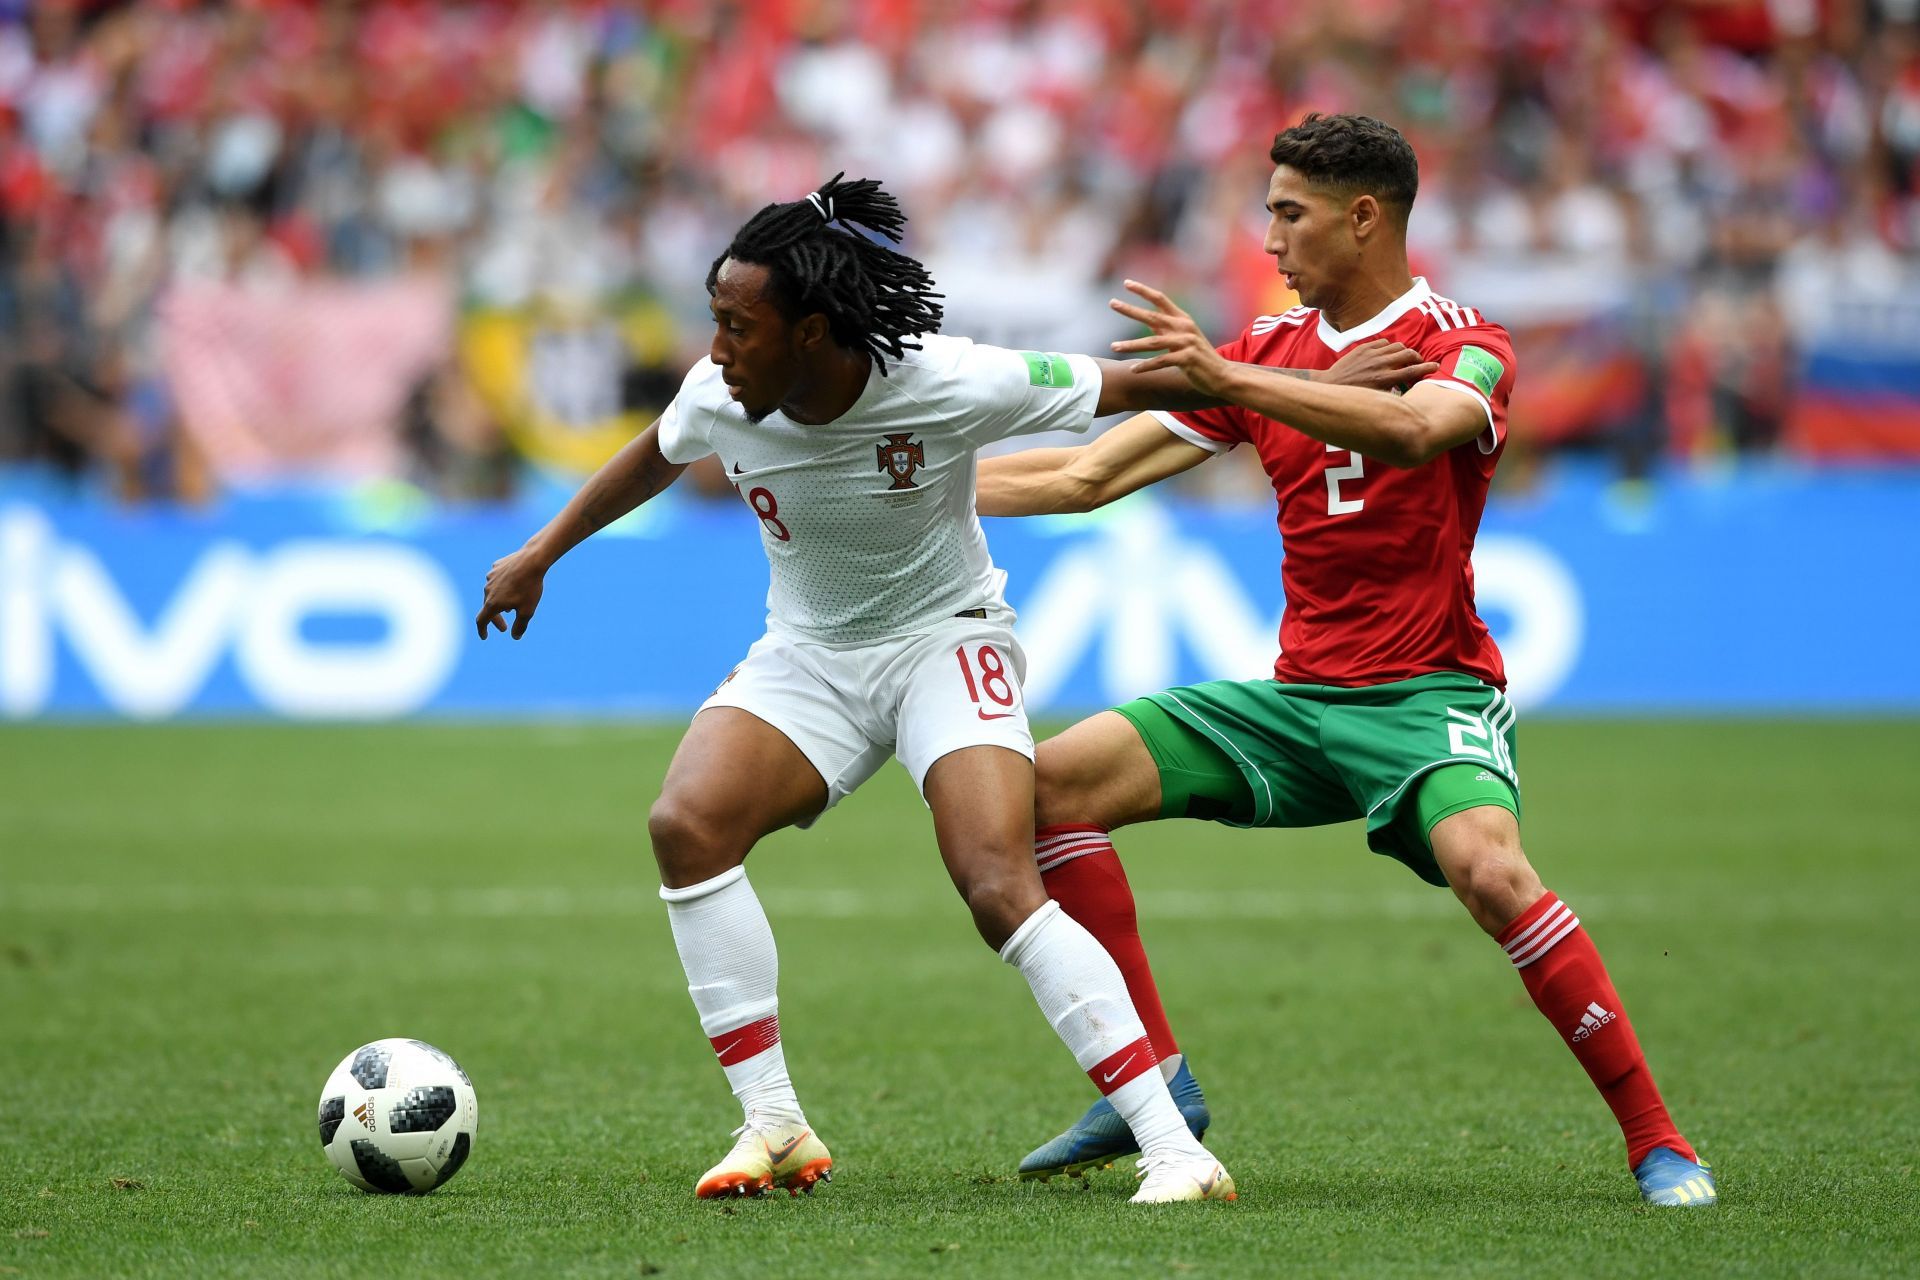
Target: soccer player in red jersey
[[1387, 701]]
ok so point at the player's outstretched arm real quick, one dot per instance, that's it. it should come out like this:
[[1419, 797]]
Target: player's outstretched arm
[[629, 478], [1130, 456], [1125, 388], [1381, 365], [1402, 431]]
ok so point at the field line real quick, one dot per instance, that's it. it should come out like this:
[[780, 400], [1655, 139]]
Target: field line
[[631, 901]]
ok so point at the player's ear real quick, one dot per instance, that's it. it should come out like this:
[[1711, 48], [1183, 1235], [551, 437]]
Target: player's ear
[[812, 331], [1364, 215]]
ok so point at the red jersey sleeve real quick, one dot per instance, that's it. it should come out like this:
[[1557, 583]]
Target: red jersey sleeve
[[1216, 430], [1476, 361]]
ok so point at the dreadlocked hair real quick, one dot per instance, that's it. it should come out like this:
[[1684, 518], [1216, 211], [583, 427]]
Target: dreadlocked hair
[[874, 298]]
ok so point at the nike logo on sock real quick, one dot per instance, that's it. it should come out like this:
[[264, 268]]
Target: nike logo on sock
[[721, 1053], [1122, 1065]]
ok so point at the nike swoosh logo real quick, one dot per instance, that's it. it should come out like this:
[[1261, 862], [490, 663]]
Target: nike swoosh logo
[[1108, 1078], [721, 1053], [1002, 716], [787, 1150], [1207, 1186]]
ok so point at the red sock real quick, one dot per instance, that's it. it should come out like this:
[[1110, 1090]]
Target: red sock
[[1565, 977], [1083, 874]]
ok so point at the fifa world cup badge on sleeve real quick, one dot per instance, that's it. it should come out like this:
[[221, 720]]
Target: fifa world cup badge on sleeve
[[1045, 369], [1480, 367]]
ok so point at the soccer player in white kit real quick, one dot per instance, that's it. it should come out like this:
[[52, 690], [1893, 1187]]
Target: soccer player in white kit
[[887, 634]]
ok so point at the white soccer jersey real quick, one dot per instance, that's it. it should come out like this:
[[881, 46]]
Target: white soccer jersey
[[868, 521]]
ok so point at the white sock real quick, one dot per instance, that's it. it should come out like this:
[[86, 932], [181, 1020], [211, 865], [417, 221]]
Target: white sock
[[726, 947], [1080, 990]]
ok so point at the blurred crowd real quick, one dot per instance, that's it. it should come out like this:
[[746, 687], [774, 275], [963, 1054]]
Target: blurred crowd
[[1657, 196]]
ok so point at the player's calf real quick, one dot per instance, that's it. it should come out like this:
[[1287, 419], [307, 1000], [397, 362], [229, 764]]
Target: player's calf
[[1083, 997], [1478, 849]]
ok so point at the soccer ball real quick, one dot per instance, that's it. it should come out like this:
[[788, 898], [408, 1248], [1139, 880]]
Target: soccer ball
[[398, 1115]]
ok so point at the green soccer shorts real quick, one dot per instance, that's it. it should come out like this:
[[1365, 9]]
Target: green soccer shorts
[[1258, 753]]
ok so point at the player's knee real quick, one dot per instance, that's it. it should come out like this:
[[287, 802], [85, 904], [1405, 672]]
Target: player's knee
[[1000, 904], [1497, 884], [688, 845], [1480, 852]]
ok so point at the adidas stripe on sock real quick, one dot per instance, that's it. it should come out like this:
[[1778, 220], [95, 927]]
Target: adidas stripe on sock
[[1055, 846]]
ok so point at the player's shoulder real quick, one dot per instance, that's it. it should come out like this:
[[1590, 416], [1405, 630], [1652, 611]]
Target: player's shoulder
[[947, 355], [936, 361], [946, 365], [935, 353], [1444, 315], [703, 387]]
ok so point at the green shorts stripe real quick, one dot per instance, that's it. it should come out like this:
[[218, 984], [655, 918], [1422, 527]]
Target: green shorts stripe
[[1197, 778], [1259, 787]]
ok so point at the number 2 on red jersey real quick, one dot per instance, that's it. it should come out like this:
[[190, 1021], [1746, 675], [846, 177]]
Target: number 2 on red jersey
[[1338, 505]]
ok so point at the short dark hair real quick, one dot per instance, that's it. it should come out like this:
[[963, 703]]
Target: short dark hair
[[874, 298], [1354, 154]]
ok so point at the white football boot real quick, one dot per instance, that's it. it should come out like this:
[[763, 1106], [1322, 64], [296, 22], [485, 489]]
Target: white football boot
[[1177, 1175], [784, 1154]]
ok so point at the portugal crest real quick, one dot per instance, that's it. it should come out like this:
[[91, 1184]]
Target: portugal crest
[[900, 457]]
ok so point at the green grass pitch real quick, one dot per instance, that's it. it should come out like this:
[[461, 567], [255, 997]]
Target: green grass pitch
[[197, 922]]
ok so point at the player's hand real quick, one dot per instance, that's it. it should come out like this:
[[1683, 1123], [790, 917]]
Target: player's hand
[[514, 584], [1380, 365], [1175, 336]]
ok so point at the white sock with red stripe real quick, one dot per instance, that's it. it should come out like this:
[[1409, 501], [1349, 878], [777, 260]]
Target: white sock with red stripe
[[1083, 874], [726, 947], [1084, 998]]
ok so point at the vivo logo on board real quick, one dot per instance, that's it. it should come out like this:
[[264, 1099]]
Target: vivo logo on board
[[233, 601]]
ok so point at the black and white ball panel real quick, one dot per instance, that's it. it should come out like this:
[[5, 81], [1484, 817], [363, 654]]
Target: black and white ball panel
[[421, 1109], [332, 1112], [369, 1066], [398, 1116]]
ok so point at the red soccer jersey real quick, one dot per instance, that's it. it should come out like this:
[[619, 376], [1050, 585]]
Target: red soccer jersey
[[1378, 571]]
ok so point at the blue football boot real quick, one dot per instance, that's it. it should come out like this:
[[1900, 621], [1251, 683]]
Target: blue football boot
[[1668, 1178], [1100, 1137]]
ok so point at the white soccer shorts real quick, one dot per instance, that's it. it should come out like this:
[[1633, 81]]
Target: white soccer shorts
[[919, 698]]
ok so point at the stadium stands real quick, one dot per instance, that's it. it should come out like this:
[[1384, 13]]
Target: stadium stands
[[256, 243]]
